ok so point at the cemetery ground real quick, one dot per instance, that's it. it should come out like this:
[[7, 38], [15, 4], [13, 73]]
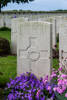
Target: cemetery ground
[[8, 64]]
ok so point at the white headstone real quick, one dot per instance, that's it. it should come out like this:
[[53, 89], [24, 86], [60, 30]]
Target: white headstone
[[7, 21], [63, 41], [14, 31], [1, 21], [58, 22], [34, 52], [53, 21]]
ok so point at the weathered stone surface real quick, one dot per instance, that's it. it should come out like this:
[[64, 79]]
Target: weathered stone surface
[[1, 21], [14, 31], [34, 52], [7, 21], [53, 21], [58, 23], [54, 32], [63, 42]]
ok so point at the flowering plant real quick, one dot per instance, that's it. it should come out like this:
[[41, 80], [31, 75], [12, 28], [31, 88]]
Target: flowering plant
[[29, 87], [60, 87]]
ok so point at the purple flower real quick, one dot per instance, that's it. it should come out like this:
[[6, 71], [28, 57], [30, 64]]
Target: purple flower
[[38, 93], [11, 97], [15, 16], [28, 86], [66, 95]]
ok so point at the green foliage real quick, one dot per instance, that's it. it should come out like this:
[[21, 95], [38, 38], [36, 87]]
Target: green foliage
[[57, 38], [56, 63], [5, 33], [60, 97], [23, 1], [4, 47], [9, 63], [5, 29], [30, 11], [7, 68], [5, 2]]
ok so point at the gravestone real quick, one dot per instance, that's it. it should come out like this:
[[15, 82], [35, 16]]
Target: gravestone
[[58, 22], [7, 21], [14, 31], [34, 48], [63, 42], [53, 21], [1, 21]]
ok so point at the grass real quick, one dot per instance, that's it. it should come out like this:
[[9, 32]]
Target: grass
[[56, 61], [7, 69], [7, 64], [57, 46], [56, 64], [6, 35]]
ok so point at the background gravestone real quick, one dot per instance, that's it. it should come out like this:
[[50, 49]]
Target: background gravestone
[[34, 51], [58, 22], [7, 21], [7, 16], [1, 21], [14, 31], [54, 33], [53, 21], [63, 42]]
